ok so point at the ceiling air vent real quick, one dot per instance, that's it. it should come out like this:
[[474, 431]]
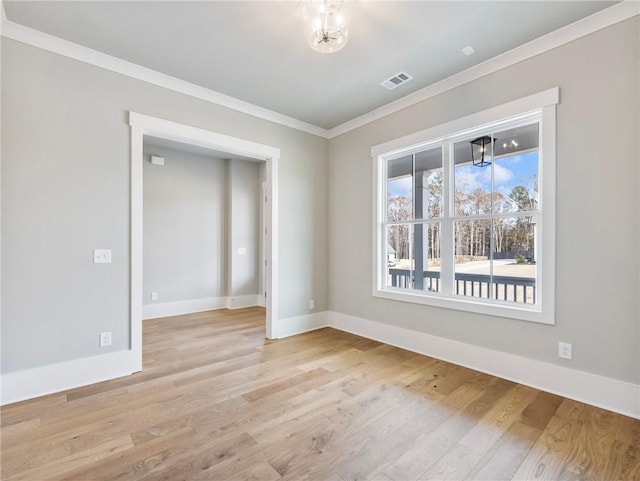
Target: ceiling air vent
[[397, 80]]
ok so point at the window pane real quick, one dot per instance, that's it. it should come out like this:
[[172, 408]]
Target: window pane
[[434, 183], [472, 258], [515, 169], [514, 260], [508, 176], [507, 274], [516, 140], [428, 184], [427, 256], [472, 192], [400, 256], [400, 189], [518, 189]]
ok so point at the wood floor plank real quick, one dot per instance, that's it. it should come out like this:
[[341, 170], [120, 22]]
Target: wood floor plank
[[373, 439], [505, 456], [241, 418], [379, 477], [185, 463], [135, 462], [546, 459], [624, 462], [541, 410], [76, 438], [28, 410], [260, 393], [259, 472], [586, 459], [504, 412], [282, 420], [453, 466], [217, 401], [432, 446], [61, 466], [628, 431]]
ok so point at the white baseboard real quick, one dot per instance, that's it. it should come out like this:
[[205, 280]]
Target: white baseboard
[[40, 381], [166, 309], [604, 392], [300, 324], [237, 302], [612, 394]]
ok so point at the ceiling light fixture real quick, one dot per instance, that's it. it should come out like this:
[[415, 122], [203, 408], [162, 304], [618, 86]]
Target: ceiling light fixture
[[328, 28]]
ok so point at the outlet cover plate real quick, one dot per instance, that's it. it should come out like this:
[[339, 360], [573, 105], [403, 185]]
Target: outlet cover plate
[[564, 350], [105, 339]]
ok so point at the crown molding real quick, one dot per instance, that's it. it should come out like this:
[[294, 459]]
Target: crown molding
[[602, 19], [605, 18], [57, 45]]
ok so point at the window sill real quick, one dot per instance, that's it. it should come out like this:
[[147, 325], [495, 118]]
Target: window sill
[[530, 314]]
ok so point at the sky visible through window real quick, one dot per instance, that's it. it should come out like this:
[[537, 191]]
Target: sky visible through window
[[509, 172]]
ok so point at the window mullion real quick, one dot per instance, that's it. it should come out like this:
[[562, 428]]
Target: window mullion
[[380, 253], [447, 237]]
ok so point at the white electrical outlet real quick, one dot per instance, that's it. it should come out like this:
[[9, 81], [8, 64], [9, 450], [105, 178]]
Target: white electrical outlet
[[105, 339], [564, 350], [154, 296], [312, 304]]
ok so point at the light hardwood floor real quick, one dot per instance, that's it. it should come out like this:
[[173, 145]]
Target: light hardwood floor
[[216, 401]]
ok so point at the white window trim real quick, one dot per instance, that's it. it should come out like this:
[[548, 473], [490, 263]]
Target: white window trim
[[544, 310]]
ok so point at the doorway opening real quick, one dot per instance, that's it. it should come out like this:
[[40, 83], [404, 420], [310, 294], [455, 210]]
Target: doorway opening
[[144, 126]]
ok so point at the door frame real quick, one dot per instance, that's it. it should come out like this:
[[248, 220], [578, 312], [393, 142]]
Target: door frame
[[142, 125], [263, 243]]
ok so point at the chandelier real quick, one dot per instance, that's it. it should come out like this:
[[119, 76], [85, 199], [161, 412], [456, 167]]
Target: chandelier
[[328, 30]]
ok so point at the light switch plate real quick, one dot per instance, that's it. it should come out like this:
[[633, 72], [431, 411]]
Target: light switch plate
[[102, 256], [242, 251]]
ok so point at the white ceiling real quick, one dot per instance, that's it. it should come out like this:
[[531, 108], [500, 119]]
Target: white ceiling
[[256, 51]]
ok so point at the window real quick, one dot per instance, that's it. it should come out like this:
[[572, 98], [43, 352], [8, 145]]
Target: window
[[465, 213]]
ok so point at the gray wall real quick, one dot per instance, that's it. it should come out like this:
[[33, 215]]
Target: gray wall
[[185, 226], [66, 191], [598, 172], [244, 223], [199, 211]]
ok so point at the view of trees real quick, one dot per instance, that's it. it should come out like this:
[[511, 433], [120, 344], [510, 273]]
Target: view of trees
[[476, 223], [512, 236], [400, 207]]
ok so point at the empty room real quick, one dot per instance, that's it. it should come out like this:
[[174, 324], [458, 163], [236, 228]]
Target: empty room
[[324, 240]]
